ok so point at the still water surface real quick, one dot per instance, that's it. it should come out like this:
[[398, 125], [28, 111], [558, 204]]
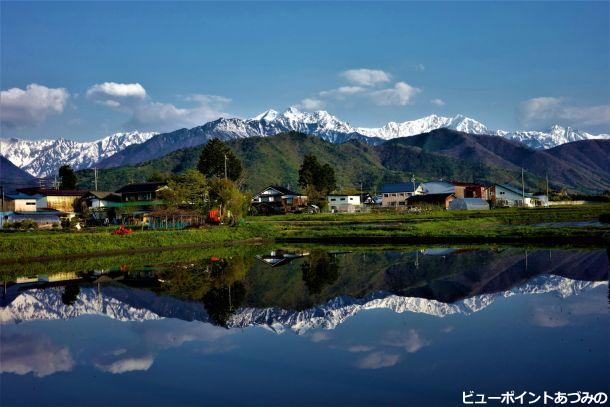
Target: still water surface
[[304, 326]]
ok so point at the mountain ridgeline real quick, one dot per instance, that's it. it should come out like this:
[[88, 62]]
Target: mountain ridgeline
[[439, 154], [42, 158], [13, 177]]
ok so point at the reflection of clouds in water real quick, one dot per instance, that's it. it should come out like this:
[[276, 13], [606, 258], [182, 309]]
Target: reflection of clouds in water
[[447, 329], [154, 336], [126, 365], [411, 340], [555, 316], [320, 336], [174, 333], [549, 317], [27, 353], [360, 348], [378, 360]]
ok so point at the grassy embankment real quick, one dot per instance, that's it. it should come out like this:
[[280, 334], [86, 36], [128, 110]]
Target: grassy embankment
[[500, 226], [38, 244], [511, 225]]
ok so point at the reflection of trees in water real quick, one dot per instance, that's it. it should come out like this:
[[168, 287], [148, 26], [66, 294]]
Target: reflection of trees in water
[[222, 302], [216, 282], [321, 270], [71, 291]]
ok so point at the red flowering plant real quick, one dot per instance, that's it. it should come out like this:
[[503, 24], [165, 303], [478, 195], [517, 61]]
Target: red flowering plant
[[122, 231]]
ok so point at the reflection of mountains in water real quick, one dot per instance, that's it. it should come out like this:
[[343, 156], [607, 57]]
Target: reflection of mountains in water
[[473, 286]]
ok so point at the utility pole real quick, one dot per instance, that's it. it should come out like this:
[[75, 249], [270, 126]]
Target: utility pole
[[2, 206], [547, 184], [522, 187], [413, 181], [95, 175], [225, 166]]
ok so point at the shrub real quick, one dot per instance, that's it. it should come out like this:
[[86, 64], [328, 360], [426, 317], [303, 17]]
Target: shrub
[[28, 224], [69, 223]]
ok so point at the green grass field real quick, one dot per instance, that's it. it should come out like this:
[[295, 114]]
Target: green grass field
[[514, 225]]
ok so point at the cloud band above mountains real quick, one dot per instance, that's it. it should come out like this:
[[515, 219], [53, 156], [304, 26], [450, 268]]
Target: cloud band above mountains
[[32, 105]]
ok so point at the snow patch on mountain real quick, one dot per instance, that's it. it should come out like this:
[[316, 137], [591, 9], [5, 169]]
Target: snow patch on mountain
[[42, 158]]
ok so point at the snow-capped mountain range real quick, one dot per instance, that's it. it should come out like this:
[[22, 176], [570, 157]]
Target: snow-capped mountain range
[[42, 158], [139, 305], [329, 127]]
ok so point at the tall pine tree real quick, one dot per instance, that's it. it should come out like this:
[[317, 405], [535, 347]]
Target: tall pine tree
[[212, 161]]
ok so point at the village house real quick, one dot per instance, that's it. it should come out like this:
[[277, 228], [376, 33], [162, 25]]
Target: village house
[[138, 201], [141, 192], [438, 187], [63, 200], [469, 190], [101, 205], [507, 195], [343, 203], [441, 200], [45, 219], [101, 199], [20, 203], [394, 195], [276, 200]]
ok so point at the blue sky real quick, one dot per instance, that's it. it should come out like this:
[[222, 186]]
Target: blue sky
[[83, 70]]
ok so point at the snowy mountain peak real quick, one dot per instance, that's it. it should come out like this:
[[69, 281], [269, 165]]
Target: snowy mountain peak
[[467, 125], [42, 158], [268, 115]]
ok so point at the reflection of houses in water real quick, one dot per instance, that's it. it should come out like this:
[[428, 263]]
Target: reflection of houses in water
[[144, 278], [438, 251], [280, 257]]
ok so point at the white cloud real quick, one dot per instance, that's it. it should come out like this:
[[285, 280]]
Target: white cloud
[[22, 354], [400, 95], [32, 105], [342, 91], [311, 104], [147, 114], [550, 110], [116, 91], [378, 360], [366, 77], [166, 116], [438, 102], [420, 67]]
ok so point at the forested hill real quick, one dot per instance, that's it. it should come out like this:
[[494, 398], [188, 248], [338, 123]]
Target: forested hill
[[276, 160]]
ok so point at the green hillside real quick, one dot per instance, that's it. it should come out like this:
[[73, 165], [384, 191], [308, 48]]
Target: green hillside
[[276, 160]]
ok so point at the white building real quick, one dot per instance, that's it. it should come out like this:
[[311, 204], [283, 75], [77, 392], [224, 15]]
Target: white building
[[344, 203], [20, 203], [394, 195], [507, 195]]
